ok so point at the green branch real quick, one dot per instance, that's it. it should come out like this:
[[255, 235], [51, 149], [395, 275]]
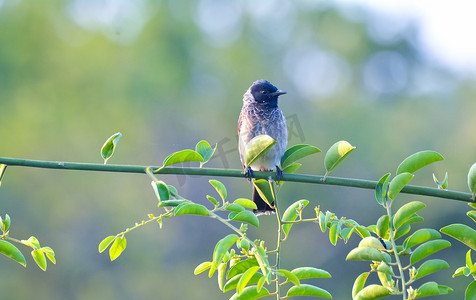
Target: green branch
[[303, 178]]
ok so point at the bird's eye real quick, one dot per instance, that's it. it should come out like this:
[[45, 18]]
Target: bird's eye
[[262, 92]]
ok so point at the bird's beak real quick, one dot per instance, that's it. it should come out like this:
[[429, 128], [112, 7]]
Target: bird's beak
[[279, 92]]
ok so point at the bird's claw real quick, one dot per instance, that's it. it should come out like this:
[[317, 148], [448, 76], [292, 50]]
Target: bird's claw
[[279, 174], [249, 174]]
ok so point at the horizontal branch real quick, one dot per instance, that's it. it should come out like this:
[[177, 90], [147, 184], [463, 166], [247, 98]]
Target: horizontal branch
[[316, 179]]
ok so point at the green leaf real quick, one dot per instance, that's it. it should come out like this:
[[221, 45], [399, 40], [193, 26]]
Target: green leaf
[[202, 267], [427, 249], [182, 156], [32, 242], [310, 272], [213, 200], [245, 203], [3, 168], [223, 246], [106, 242], [366, 253], [205, 150], [172, 203], [418, 160], [245, 278], [322, 221], [241, 267], [221, 275], [462, 233], [382, 188], [336, 154], [50, 254], [373, 291], [5, 223], [334, 232], [472, 215], [247, 217], [109, 146], [219, 187], [372, 242], [383, 227], [257, 147], [117, 247], [432, 289], [308, 290], [39, 258], [441, 184], [398, 183], [265, 190], [359, 283], [291, 213], [297, 152], [461, 271], [470, 292], [421, 236], [262, 259], [231, 284], [249, 293], [234, 207], [431, 266], [188, 208], [161, 190], [290, 276], [469, 262], [472, 179], [401, 231], [12, 252], [405, 212], [292, 168]]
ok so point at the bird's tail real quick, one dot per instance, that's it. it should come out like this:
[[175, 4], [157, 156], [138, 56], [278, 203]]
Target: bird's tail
[[262, 207]]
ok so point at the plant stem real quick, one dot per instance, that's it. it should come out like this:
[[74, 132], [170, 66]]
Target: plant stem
[[278, 245], [316, 179], [394, 247]]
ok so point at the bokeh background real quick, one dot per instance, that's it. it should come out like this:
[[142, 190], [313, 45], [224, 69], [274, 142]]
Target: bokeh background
[[170, 73]]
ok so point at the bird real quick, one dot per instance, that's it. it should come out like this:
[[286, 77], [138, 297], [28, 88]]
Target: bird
[[261, 114]]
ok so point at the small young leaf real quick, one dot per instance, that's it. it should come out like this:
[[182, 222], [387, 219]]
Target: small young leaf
[[161, 190], [12, 252], [221, 275], [336, 154], [205, 150], [432, 289], [418, 160], [220, 188], [427, 249], [172, 203], [431, 266], [373, 291], [401, 231], [250, 292], [109, 146], [290, 276], [382, 188], [322, 221], [462, 233], [334, 232], [182, 156], [469, 262], [245, 203], [245, 278], [50, 254], [310, 272], [5, 223], [359, 283], [247, 217], [39, 258], [265, 190], [405, 212], [297, 152], [213, 200], [3, 168], [222, 247], [106, 242], [32, 242], [398, 183], [231, 284], [202, 267], [257, 147], [441, 184], [291, 213], [308, 290], [117, 247], [472, 179], [366, 253], [421, 236], [188, 208]]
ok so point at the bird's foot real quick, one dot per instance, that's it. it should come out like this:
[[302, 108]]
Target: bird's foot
[[279, 174], [249, 174]]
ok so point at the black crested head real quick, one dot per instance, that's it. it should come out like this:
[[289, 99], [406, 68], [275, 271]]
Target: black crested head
[[265, 93]]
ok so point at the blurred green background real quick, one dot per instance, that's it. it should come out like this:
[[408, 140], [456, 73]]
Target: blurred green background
[[170, 73]]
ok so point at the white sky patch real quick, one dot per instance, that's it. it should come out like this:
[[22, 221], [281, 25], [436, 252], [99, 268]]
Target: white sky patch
[[446, 27]]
